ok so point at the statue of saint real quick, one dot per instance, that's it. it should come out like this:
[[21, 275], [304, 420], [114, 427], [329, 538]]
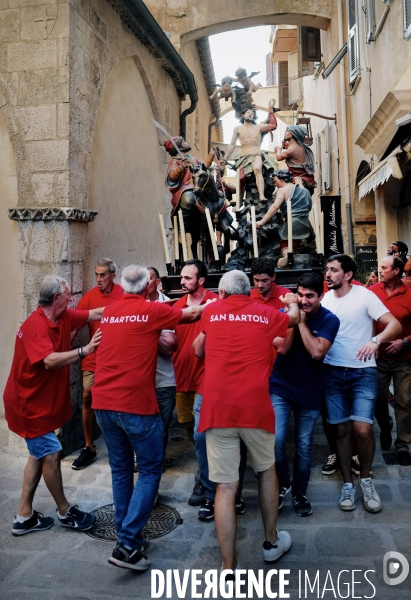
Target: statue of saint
[[298, 156], [180, 177], [252, 159], [301, 205]]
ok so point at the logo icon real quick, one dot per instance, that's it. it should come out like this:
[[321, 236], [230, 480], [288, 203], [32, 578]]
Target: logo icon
[[395, 568]]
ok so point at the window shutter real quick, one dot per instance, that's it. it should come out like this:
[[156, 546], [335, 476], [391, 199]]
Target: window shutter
[[328, 177], [370, 22], [283, 84], [268, 70], [294, 85], [407, 18], [310, 44], [353, 49], [318, 171]]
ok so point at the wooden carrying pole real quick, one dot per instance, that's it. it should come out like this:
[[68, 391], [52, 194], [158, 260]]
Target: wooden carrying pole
[[183, 236], [163, 233], [254, 232], [176, 242], [212, 234]]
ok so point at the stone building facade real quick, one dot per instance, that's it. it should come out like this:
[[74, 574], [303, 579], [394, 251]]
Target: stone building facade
[[82, 165]]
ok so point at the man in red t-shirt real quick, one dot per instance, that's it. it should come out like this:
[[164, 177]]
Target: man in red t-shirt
[[239, 406], [127, 410], [266, 291], [189, 370], [105, 292], [37, 400], [394, 360]]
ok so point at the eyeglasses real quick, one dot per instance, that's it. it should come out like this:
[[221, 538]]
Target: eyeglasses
[[288, 139]]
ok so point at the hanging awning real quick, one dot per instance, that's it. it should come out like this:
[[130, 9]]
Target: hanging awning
[[387, 168]]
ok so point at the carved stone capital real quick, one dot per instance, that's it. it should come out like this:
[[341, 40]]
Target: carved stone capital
[[52, 214]]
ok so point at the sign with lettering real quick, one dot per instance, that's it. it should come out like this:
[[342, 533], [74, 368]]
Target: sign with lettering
[[333, 241], [367, 255]]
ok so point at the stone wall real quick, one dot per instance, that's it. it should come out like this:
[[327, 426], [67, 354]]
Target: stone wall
[[56, 59]]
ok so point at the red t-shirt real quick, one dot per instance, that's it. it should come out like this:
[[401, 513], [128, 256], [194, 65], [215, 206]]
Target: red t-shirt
[[127, 356], [37, 401], [95, 298], [239, 335], [189, 369], [273, 300], [399, 305]]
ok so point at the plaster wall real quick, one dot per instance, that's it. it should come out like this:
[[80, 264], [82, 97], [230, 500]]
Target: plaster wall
[[9, 252], [126, 179], [383, 66]]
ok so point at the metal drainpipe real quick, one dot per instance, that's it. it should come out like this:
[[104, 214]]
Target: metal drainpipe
[[347, 189]]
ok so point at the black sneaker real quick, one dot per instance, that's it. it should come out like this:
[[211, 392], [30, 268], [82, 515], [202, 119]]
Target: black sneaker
[[283, 492], [206, 512], [87, 456], [37, 522], [198, 495], [239, 504], [301, 506], [129, 559], [355, 465], [331, 466], [77, 519]]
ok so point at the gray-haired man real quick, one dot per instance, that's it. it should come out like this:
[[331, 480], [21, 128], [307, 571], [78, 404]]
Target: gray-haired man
[[104, 293], [239, 407], [127, 409], [37, 400]]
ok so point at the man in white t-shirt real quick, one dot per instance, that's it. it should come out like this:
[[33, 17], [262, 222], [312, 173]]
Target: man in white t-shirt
[[350, 378], [165, 377]]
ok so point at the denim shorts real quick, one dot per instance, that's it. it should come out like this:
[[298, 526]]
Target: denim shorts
[[350, 394], [43, 445]]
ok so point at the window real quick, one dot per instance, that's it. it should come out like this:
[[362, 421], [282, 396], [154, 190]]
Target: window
[[407, 18], [353, 48], [370, 21], [324, 159]]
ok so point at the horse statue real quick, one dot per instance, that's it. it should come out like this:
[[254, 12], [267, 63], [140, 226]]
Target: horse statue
[[210, 193]]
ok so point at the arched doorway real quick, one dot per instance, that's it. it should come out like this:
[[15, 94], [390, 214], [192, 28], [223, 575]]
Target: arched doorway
[[126, 176]]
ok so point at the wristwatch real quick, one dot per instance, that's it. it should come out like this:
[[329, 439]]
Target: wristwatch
[[376, 340]]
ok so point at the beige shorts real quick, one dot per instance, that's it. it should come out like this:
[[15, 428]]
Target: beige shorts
[[223, 451], [88, 380], [184, 406]]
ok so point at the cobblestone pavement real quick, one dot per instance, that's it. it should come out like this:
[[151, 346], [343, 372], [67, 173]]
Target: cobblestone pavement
[[67, 565]]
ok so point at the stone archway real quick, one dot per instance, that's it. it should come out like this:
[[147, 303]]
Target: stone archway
[[9, 251], [188, 21]]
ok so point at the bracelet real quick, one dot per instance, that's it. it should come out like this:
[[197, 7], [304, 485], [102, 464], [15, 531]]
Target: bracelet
[[81, 353], [404, 341]]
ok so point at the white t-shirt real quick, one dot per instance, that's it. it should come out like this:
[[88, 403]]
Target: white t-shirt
[[165, 376], [356, 311]]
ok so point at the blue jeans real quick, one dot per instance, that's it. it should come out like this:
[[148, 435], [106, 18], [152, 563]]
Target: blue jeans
[[201, 452], [166, 398], [303, 440], [350, 394], [126, 434]]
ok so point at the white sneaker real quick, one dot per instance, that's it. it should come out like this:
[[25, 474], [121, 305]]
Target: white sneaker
[[347, 500], [272, 552], [229, 578], [371, 499]]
